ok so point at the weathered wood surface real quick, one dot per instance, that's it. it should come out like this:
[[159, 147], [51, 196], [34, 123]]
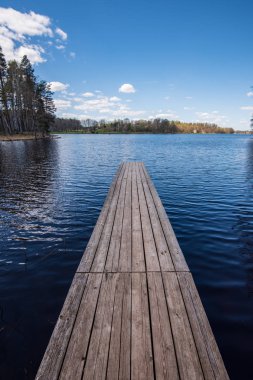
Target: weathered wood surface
[[132, 311]]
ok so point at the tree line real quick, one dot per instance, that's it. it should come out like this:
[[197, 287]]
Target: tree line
[[158, 126], [26, 103], [136, 126]]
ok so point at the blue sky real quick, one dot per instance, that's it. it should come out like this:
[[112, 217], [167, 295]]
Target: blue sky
[[185, 60]]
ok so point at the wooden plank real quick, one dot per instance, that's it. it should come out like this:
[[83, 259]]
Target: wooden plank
[[53, 357], [125, 346], [112, 261], [125, 259], [88, 256], [163, 345], [101, 253], [141, 350], [161, 244], [210, 357], [77, 349], [96, 362], [175, 250], [187, 356], [119, 354], [138, 260], [152, 262]]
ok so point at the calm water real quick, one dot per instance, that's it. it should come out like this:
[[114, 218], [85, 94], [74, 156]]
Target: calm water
[[51, 193]]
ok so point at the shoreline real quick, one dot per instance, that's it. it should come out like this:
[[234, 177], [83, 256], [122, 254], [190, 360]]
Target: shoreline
[[23, 137], [145, 133], [56, 135]]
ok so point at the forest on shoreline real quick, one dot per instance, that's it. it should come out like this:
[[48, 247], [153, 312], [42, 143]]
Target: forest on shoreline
[[135, 126], [26, 103]]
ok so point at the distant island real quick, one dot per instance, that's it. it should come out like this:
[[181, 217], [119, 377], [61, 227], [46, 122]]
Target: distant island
[[62, 125]]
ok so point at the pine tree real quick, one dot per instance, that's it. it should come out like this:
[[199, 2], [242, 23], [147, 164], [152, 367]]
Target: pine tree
[[45, 107], [29, 94], [4, 114], [14, 95], [26, 104]]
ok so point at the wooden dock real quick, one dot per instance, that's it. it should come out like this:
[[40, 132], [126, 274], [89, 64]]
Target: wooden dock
[[132, 311]]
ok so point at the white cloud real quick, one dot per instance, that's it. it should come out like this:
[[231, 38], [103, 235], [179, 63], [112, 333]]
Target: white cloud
[[61, 33], [111, 106], [33, 53], [250, 93], [247, 108], [88, 94], [58, 86], [94, 104], [188, 97], [127, 88], [31, 24], [62, 103], [16, 31], [212, 117], [60, 47], [72, 55], [97, 106], [188, 108], [115, 99]]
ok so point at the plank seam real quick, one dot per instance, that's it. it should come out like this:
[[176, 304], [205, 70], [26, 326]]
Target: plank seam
[[150, 224], [172, 334], [116, 286], [124, 208], [145, 260], [126, 169], [93, 321], [121, 222], [151, 185], [201, 366], [203, 335], [131, 293], [72, 326], [120, 171], [149, 311], [158, 256], [104, 311], [94, 256]]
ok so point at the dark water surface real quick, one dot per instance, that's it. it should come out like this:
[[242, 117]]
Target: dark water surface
[[51, 193]]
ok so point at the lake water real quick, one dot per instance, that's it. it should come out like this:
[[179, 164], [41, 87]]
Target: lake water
[[51, 193]]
